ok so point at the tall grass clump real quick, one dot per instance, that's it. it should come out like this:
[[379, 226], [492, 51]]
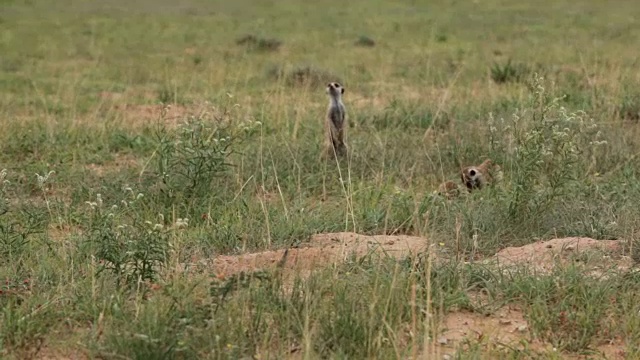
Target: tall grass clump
[[18, 224]]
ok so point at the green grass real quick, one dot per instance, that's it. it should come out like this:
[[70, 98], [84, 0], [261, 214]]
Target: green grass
[[93, 256]]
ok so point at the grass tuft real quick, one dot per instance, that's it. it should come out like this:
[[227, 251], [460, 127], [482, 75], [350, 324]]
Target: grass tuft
[[365, 41], [255, 43]]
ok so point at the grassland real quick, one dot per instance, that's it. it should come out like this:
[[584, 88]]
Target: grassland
[[139, 140]]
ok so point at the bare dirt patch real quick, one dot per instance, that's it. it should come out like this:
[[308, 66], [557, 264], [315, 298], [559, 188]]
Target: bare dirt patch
[[143, 114], [121, 161], [505, 329], [138, 108], [505, 326]]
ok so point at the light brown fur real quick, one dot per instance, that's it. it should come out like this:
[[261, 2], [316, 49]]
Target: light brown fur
[[335, 122], [449, 189]]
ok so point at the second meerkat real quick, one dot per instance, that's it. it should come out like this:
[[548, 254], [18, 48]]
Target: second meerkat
[[476, 177], [335, 121]]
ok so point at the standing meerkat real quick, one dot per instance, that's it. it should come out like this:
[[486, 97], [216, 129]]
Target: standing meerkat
[[335, 121], [476, 177]]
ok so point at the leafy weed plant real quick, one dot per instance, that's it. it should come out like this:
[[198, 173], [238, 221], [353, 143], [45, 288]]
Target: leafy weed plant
[[191, 157], [130, 249]]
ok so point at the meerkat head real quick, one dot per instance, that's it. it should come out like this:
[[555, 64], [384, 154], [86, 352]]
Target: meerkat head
[[334, 89], [475, 177]]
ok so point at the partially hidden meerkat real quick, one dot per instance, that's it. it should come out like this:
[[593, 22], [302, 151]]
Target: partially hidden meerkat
[[335, 121], [473, 177], [477, 177]]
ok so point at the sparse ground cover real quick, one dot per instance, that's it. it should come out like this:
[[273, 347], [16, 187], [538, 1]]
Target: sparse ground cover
[[162, 194]]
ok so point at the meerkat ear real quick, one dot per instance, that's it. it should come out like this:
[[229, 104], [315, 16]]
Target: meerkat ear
[[342, 91]]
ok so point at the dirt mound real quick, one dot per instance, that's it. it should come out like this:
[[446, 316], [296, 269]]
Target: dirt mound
[[323, 250], [328, 249], [543, 256]]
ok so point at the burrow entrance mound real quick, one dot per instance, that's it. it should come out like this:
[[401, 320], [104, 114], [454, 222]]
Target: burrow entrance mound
[[323, 250], [333, 248], [506, 326]]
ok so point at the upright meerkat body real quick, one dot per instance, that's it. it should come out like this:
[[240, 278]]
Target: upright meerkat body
[[476, 177], [335, 121]]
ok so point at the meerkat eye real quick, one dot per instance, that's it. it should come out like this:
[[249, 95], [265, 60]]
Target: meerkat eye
[[472, 172], [342, 90]]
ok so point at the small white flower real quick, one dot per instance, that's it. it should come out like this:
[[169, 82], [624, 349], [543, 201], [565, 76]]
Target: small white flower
[[182, 223], [43, 179]]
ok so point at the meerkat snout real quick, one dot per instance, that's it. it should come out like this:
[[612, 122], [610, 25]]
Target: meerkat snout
[[472, 178], [335, 89]]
